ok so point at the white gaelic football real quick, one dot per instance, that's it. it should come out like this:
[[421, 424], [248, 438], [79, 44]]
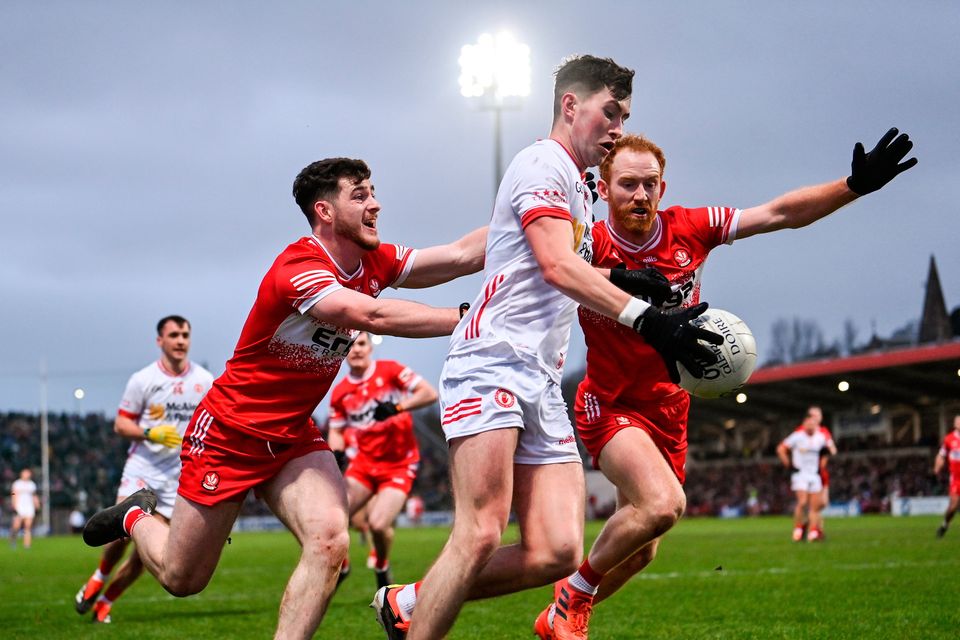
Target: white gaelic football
[[738, 356]]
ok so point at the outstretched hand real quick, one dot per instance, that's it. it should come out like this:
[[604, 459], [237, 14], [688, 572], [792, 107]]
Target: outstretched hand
[[647, 283], [871, 171], [676, 340]]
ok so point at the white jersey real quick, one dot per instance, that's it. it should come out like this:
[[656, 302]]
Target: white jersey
[[805, 449], [516, 307], [25, 490], [156, 396]]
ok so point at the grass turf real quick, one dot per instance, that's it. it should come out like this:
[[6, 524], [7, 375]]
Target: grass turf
[[875, 577]]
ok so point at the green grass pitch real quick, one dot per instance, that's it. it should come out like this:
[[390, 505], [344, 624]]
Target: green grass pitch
[[875, 577]]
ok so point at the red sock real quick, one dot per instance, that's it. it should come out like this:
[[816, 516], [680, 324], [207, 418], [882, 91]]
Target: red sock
[[589, 574], [113, 592], [106, 566], [134, 515], [381, 563]]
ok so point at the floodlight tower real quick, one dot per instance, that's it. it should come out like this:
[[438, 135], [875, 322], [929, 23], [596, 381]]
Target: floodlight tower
[[495, 69]]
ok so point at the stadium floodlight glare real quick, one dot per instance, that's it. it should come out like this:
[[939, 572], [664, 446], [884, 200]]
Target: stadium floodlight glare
[[79, 393], [495, 68], [843, 385], [741, 398], [376, 339]]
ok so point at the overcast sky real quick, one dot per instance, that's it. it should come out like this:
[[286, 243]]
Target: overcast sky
[[147, 152]]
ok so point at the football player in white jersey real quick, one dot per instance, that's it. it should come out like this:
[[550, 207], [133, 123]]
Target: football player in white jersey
[[25, 505], [155, 410], [511, 441], [800, 452]]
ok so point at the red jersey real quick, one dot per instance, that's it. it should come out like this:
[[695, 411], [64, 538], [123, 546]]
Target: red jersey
[[286, 360], [621, 366], [951, 451], [353, 401]]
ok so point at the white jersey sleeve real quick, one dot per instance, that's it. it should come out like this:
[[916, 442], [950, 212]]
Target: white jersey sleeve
[[516, 312]]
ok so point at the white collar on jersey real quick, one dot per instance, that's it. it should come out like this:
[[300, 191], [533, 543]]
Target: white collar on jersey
[[340, 270], [172, 374], [629, 247], [366, 374]]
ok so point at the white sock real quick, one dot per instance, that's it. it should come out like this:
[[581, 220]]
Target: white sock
[[580, 583], [407, 600], [98, 575]]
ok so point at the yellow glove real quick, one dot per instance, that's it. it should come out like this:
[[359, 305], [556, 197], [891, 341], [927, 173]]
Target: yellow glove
[[165, 434]]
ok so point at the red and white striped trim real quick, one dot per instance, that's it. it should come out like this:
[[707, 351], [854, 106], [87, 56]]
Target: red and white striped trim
[[591, 406], [717, 216], [473, 327], [200, 429], [465, 408]]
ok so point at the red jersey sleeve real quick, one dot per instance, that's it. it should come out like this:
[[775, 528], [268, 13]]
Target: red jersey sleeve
[[303, 279], [388, 266], [403, 377], [338, 416], [712, 226]]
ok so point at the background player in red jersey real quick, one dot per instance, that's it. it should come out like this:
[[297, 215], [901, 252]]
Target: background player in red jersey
[[253, 430], [950, 450], [630, 415], [374, 401]]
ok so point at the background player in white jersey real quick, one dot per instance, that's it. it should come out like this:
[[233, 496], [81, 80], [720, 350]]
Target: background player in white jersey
[[154, 413], [374, 401], [502, 412], [253, 429], [800, 452], [630, 414], [25, 501]]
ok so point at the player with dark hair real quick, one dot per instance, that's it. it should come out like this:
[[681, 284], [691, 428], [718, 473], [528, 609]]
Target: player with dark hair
[[155, 410], [630, 413], [511, 442], [950, 452], [374, 401], [253, 430]]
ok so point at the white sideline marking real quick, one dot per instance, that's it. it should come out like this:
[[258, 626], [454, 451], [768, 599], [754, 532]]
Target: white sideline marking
[[863, 566]]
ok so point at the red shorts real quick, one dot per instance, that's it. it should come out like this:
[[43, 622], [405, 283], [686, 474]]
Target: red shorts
[[221, 464], [665, 421], [376, 476], [955, 485], [825, 478]]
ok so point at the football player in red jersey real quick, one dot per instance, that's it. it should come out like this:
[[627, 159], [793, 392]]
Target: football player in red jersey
[[950, 451], [630, 416], [253, 429], [374, 400]]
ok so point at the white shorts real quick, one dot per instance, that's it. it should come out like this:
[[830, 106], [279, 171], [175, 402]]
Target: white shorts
[[483, 392], [27, 511], [138, 475], [803, 481]]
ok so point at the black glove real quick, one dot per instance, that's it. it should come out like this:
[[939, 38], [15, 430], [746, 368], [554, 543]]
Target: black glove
[[792, 470], [464, 307], [870, 171], [676, 340], [647, 283], [385, 410], [341, 458], [591, 183]]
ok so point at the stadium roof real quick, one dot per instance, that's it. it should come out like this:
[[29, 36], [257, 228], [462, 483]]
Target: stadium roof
[[916, 376]]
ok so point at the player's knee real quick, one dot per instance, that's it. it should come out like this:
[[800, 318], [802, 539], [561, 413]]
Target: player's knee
[[664, 513], [181, 586], [329, 547]]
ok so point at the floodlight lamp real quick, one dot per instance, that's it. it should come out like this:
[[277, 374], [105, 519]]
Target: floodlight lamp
[[376, 339], [495, 66], [741, 398], [843, 385], [79, 393]]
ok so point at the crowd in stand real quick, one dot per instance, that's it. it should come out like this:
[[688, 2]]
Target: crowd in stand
[[86, 460]]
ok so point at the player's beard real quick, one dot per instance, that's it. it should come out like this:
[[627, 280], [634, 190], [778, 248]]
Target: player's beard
[[355, 234], [630, 224]]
